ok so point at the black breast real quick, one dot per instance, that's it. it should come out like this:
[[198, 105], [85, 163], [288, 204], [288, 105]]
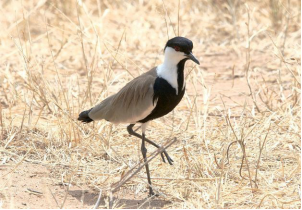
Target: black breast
[[165, 95]]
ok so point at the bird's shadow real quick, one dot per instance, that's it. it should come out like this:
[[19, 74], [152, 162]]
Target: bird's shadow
[[90, 198]]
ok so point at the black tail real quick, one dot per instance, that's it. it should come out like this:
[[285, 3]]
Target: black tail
[[84, 116]]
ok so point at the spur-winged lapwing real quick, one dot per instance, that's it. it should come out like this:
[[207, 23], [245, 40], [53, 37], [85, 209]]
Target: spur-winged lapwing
[[149, 96]]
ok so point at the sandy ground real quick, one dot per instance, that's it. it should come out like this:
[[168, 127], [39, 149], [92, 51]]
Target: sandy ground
[[58, 163], [29, 186], [33, 186], [51, 194]]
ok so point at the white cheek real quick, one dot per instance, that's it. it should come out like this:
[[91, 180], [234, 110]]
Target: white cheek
[[174, 55], [179, 55]]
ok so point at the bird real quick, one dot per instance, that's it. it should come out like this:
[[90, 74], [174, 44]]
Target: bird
[[149, 96]]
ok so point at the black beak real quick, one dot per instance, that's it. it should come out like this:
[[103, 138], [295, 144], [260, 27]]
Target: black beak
[[192, 57]]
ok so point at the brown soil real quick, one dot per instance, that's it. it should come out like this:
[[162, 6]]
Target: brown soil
[[30, 186]]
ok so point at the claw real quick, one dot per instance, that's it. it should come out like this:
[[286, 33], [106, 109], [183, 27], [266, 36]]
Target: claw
[[162, 156], [168, 158]]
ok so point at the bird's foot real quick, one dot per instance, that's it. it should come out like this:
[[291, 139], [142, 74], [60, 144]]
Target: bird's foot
[[152, 193], [167, 156]]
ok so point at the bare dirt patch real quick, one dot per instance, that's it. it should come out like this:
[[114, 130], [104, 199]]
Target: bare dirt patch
[[30, 186]]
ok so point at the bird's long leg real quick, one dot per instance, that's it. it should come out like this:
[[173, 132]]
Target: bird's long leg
[[144, 152], [132, 132]]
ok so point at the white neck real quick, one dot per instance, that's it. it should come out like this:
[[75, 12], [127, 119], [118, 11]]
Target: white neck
[[168, 69]]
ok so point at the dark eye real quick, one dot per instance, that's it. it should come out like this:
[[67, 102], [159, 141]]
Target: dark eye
[[176, 48]]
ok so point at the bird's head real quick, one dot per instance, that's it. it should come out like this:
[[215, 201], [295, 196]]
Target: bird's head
[[179, 48]]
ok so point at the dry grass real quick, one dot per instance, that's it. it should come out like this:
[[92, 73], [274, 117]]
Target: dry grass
[[238, 126]]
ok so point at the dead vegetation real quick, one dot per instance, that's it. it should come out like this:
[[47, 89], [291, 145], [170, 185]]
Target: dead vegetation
[[238, 127]]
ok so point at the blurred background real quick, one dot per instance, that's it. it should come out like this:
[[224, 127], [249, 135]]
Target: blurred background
[[238, 125]]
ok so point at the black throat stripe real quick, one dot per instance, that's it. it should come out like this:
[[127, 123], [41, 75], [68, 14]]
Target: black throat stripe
[[165, 94]]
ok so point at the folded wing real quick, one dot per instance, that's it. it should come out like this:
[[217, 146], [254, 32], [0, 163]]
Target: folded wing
[[132, 103]]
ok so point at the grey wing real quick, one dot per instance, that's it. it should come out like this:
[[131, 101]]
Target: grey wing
[[132, 103]]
